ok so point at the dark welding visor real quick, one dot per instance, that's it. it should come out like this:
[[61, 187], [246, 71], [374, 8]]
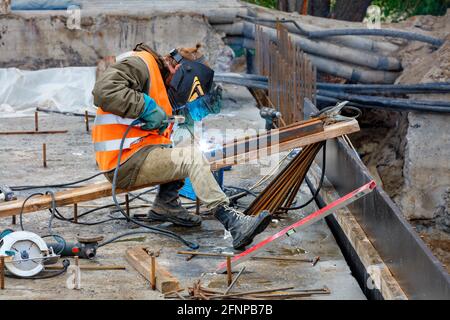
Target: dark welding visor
[[191, 81]]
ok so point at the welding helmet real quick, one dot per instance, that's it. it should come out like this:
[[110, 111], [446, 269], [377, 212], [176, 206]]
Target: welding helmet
[[192, 80]]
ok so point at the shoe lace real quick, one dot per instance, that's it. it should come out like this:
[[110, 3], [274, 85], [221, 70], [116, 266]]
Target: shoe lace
[[233, 210]]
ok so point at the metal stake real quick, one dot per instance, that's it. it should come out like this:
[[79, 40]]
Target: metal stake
[[153, 275], [229, 274], [86, 120], [44, 155], [36, 121], [2, 272], [75, 212], [127, 206], [197, 206]]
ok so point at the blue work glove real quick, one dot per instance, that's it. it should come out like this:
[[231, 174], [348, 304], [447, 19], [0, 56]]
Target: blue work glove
[[207, 104], [153, 116]]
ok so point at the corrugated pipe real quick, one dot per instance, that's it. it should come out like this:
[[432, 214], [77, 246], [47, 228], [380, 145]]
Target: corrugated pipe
[[332, 51], [413, 36], [324, 101], [385, 103], [300, 28], [258, 81]]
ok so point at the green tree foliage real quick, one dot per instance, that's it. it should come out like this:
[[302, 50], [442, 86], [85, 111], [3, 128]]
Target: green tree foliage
[[401, 9], [394, 10], [272, 4]]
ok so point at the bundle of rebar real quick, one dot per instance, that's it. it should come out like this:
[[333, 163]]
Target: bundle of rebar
[[281, 192]]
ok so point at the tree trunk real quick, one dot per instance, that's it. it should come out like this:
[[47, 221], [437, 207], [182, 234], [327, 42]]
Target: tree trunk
[[319, 8], [351, 10]]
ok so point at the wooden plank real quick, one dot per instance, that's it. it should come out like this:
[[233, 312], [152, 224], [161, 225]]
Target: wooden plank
[[329, 132], [139, 259], [103, 189]]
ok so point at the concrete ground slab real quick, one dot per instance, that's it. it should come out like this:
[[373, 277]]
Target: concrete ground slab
[[70, 157]]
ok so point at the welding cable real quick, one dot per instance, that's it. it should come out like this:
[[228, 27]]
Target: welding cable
[[322, 177], [62, 185], [246, 191], [23, 206], [114, 197], [134, 197], [65, 262], [104, 243]]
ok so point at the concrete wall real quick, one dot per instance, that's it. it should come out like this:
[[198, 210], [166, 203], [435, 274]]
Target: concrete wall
[[36, 41], [426, 170]]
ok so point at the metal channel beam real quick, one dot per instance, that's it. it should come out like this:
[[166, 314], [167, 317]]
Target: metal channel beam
[[417, 270]]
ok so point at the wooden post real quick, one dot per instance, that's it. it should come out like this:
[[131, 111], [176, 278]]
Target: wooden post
[[229, 274], [75, 212], [77, 274], [44, 155], [86, 120], [127, 206], [2, 272], [36, 121], [153, 275], [197, 206]]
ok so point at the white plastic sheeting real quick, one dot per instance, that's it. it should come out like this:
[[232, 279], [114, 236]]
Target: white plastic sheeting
[[63, 89]]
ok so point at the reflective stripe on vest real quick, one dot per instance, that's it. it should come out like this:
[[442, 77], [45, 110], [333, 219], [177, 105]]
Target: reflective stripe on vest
[[110, 118], [113, 145]]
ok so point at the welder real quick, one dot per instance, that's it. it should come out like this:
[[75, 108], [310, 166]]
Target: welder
[[144, 86]]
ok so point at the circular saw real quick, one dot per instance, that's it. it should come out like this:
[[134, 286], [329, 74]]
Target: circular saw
[[27, 252]]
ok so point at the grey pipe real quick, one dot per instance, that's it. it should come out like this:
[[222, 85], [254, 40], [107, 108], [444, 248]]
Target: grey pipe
[[352, 73], [332, 51], [297, 27]]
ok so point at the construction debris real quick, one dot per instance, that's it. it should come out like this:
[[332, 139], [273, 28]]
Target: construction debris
[[198, 292], [193, 254]]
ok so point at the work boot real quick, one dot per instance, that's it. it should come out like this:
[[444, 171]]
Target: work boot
[[242, 228], [167, 207]]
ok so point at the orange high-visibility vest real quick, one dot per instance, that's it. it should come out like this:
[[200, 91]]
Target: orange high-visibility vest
[[108, 129]]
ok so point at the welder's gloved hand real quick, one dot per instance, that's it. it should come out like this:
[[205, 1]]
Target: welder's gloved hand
[[153, 115], [208, 104]]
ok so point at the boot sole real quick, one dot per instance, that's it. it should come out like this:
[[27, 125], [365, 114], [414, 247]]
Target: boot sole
[[260, 228], [183, 223]]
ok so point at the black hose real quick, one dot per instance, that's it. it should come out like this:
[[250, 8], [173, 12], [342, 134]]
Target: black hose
[[413, 36], [119, 208], [261, 82], [322, 177], [62, 185], [381, 103], [23, 205], [124, 235], [435, 87]]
